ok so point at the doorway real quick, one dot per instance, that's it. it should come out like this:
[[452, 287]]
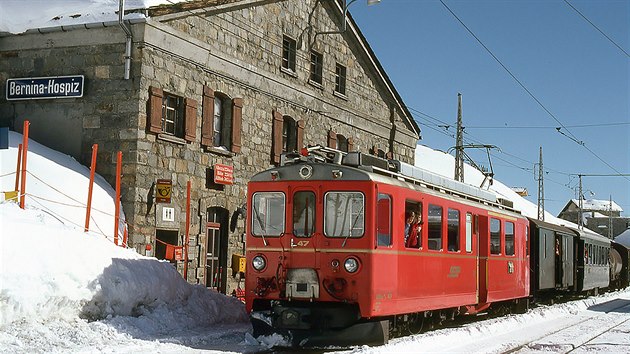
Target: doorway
[[216, 248]]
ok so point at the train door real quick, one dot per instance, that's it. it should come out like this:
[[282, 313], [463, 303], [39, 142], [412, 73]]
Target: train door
[[484, 250], [302, 220], [216, 248]]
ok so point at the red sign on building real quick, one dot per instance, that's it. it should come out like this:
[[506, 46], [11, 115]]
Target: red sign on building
[[223, 174]]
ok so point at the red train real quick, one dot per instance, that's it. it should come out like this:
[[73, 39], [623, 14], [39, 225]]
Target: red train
[[330, 260]]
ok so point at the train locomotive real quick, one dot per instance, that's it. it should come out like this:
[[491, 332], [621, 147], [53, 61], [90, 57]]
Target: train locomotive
[[329, 257]]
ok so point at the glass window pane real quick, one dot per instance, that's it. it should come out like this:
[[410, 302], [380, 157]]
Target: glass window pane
[[435, 227], [268, 209], [344, 214], [495, 236], [383, 220], [509, 238], [453, 230], [303, 214], [468, 232]]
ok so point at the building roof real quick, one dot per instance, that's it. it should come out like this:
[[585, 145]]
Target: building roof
[[594, 205]]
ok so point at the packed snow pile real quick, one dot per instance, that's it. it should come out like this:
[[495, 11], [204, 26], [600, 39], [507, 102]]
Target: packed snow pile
[[63, 288]]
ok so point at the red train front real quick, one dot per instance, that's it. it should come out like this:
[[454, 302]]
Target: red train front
[[327, 257]]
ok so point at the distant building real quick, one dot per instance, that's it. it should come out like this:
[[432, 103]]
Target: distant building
[[597, 216], [522, 191]]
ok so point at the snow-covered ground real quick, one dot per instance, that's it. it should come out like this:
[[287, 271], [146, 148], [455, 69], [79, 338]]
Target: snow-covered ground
[[64, 290]]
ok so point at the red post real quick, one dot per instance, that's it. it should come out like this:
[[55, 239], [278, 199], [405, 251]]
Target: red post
[[117, 199], [89, 201], [17, 169], [188, 185], [24, 151], [125, 233]]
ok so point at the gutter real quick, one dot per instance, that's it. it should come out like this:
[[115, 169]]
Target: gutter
[[129, 38]]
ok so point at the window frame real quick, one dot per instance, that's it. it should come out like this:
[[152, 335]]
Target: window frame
[[267, 215], [289, 53], [316, 75], [362, 211], [431, 222], [512, 241], [310, 201], [289, 134], [178, 110], [387, 236], [494, 235], [469, 232], [450, 229], [341, 79]]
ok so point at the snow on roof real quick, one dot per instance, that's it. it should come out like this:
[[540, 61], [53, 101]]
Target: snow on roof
[[624, 238], [18, 16], [596, 204], [444, 164]]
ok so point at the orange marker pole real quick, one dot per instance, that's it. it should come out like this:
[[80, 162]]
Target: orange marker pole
[[117, 199], [188, 185], [17, 169], [24, 151], [89, 201]]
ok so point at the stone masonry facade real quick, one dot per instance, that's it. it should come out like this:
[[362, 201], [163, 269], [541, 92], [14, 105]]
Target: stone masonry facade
[[234, 49]]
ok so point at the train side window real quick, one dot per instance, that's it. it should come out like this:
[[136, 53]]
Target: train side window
[[413, 224], [469, 227], [590, 254], [268, 210], [384, 220], [344, 214], [495, 236], [303, 214], [509, 238], [435, 227], [452, 232]]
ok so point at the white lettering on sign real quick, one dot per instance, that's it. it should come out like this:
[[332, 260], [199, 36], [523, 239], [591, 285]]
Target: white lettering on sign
[[45, 87]]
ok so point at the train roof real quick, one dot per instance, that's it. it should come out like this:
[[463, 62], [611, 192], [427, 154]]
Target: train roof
[[553, 227], [358, 166]]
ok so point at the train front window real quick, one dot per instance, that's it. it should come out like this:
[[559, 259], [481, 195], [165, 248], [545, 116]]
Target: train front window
[[303, 214], [268, 213], [344, 214]]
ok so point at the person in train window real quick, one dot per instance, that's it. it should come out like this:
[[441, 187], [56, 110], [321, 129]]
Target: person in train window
[[415, 233], [410, 216]]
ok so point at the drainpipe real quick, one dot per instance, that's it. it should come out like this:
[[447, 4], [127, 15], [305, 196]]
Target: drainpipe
[[127, 30]]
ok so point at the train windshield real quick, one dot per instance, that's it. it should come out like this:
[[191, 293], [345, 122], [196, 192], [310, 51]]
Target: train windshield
[[268, 213], [344, 214], [303, 214]]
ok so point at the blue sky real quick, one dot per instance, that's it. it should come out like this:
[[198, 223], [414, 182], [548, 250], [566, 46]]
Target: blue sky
[[572, 69]]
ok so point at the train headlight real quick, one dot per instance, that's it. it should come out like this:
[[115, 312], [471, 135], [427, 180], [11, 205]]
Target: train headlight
[[259, 263], [351, 265]]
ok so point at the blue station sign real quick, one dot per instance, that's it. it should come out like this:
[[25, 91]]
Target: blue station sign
[[36, 88]]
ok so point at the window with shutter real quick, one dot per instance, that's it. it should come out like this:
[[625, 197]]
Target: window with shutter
[[332, 139], [237, 116], [167, 114], [155, 109], [190, 120], [207, 116]]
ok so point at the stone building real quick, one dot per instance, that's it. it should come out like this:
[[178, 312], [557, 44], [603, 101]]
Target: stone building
[[208, 92], [597, 215]]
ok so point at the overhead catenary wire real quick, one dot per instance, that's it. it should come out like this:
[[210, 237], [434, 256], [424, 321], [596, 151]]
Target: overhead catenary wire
[[597, 28], [568, 133]]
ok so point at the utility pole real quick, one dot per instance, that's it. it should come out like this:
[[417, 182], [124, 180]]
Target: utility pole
[[541, 189], [459, 143], [610, 220], [580, 205]]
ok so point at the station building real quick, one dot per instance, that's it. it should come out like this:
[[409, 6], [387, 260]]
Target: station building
[[208, 92]]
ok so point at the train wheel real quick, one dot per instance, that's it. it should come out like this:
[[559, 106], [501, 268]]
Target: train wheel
[[415, 325]]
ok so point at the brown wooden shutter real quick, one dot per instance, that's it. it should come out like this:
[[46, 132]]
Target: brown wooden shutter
[[190, 119], [155, 109], [237, 116], [207, 119], [350, 144], [300, 134], [277, 136], [332, 139]]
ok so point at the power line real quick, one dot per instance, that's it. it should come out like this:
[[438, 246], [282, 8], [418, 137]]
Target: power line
[[597, 28], [569, 134], [546, 126]]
